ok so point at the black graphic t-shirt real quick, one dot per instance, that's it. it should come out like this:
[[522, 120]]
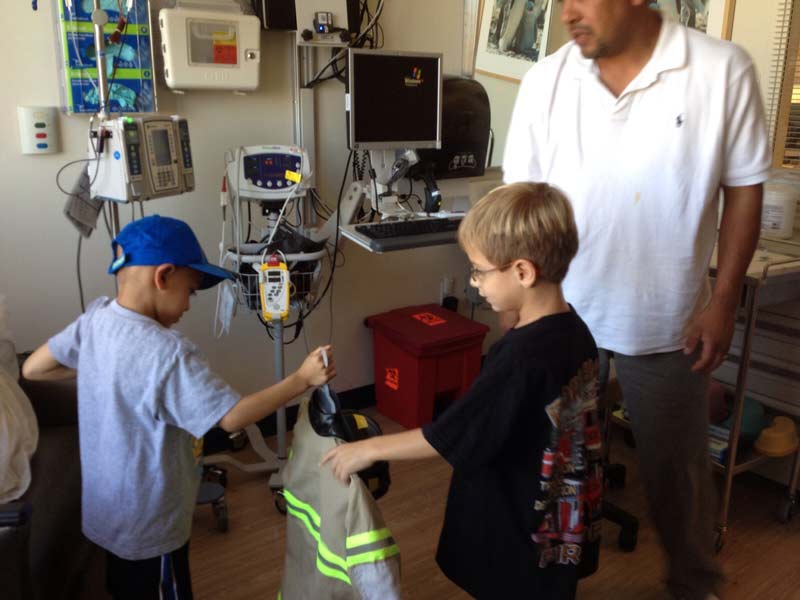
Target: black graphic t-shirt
[[522, 517]]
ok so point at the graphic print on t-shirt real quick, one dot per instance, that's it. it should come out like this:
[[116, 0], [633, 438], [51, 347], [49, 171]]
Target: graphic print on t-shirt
[[572, 473]]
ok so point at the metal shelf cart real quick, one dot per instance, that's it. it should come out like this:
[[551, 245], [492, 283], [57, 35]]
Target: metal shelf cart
[[771, 279]]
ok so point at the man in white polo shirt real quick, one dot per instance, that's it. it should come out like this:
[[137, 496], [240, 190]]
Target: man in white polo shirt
[[642, 122]]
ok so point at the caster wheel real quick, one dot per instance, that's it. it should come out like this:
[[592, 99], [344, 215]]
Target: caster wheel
[[221, 513], [630, 441], [615, 476], [787, 508], [280, 502], [627, 539], [216, 475]]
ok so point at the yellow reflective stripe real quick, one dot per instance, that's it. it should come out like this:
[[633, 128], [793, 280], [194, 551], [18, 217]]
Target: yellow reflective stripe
[[326, 553], [322, 549], [329, 572], [368, 537], [279, 594], [292, 499], [303, 518], [373, 556]]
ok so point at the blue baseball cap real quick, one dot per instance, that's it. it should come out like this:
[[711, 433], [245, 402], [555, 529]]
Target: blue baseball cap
[[157, 240]]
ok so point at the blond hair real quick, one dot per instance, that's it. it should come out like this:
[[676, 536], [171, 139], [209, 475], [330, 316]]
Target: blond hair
[[532, 221]]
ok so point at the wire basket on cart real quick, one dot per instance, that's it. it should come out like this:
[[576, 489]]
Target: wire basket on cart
[[303, 258], [304, 276]]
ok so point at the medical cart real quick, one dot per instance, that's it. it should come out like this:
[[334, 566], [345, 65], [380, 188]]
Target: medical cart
[[771, 278]]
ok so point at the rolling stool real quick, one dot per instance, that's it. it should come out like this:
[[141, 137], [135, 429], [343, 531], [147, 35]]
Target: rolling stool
[[614, 478], [212, 491]]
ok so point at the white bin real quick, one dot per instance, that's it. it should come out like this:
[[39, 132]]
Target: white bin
[[781, 194]]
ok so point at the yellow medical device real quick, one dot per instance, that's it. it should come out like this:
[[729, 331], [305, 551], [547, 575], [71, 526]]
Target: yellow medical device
[[274, 285]]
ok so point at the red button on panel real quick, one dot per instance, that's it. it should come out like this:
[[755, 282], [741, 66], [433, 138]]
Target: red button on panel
[[41, 136]]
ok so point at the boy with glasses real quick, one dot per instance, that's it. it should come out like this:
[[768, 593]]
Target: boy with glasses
[[524, 503]]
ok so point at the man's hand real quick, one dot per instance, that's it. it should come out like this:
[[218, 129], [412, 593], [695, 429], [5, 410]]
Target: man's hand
[[738, 238], [314, 371], [712, 328], [347, 459]]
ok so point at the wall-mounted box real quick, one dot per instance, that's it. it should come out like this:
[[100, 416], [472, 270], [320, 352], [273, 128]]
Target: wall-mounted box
[[38, 129], [210, 49], [342, 18]]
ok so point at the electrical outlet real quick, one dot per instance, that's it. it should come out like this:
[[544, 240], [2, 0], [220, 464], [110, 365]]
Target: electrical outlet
[[461, 204], [446, 287]]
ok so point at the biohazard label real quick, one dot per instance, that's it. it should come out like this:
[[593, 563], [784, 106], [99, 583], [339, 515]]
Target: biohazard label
[[429, 319], [225, 48], [224, 53], [392, 378]]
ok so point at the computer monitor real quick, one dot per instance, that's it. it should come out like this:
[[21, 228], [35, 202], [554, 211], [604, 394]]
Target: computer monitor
[[394, 100]]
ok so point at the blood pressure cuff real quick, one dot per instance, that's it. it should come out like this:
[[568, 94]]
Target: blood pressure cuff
[[329, 420]]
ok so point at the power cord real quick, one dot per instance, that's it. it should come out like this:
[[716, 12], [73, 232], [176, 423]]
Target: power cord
[[329, 284]]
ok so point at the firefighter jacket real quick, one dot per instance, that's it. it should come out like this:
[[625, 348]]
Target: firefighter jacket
[[337, 544]]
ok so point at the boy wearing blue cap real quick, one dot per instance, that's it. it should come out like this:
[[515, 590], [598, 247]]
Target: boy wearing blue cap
[[146, 397]]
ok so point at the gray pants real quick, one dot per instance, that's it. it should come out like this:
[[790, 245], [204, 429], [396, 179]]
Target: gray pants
[[668, 408]]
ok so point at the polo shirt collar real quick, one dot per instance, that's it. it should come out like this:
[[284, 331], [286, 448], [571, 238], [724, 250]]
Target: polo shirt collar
[[669, 53]]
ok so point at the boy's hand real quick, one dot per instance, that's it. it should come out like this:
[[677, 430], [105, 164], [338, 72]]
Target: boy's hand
[[347, 459], [313, 371]]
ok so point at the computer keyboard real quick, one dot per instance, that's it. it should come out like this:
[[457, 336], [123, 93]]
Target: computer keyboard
[[412, 233]]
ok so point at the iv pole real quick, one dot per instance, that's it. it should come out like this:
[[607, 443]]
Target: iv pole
[[303, 136], [303, 105], [99, 20]]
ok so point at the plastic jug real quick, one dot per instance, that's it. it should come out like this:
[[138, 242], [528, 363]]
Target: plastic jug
[[781, 195]]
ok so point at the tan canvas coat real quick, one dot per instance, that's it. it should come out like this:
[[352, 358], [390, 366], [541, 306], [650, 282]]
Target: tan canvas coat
[[338, 546]]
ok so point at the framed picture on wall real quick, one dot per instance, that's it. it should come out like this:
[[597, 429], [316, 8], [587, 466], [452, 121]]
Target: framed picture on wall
[[513, 37], [713, 17], [691, 13]]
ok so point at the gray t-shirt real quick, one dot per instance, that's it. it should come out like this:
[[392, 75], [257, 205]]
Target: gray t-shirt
[[146, 397]]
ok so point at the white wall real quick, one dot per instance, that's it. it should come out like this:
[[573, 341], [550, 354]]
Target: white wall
[[38, 246], [502, 92], [754, 26]]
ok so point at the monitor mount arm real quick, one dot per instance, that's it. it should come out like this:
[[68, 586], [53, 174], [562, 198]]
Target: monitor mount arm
[[433, 197]]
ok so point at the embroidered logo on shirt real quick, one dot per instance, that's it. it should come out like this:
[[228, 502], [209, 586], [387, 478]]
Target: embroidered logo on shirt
[[679, 120]]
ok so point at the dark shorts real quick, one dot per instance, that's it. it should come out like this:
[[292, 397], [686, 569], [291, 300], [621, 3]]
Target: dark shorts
[[164, 577]]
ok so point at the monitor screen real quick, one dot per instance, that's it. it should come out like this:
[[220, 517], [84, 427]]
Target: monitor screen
[[160, 139], [395, 100]]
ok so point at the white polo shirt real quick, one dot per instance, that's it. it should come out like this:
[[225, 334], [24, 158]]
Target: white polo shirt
[[643, 173]]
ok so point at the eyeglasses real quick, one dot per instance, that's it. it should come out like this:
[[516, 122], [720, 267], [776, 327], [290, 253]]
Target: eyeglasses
[[477, 275]]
